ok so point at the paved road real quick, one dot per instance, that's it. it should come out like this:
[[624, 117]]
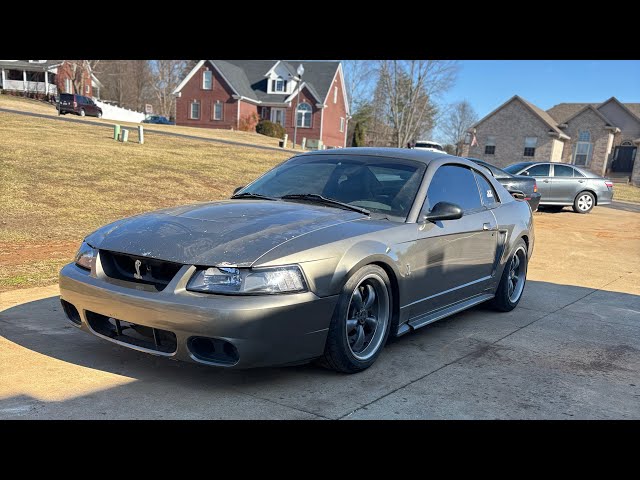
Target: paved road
[[147, 129], [625, 206]]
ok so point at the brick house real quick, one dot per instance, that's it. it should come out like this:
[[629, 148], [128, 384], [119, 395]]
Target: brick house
[[49, 77], [603, 137], [235, 94]]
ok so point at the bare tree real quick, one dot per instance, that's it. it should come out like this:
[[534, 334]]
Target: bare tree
[[358, 78], [410, 88], [460, 118], [140, 80], [165, 77]]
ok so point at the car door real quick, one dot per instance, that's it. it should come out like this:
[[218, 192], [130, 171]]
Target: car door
[[542, 174], [563, 187], [452, 259], [92, 107]]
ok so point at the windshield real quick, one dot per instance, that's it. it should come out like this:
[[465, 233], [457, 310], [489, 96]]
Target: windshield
[[381, 185], [516, 167], [428, 145]]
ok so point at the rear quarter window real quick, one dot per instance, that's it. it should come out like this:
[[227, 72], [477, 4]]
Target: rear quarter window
[[487, 193]]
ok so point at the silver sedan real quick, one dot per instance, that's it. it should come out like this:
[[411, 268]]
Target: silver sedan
[[561, 185]]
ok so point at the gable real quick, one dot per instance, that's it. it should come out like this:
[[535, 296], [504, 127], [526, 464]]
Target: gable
[[518, 107], [620, 116]]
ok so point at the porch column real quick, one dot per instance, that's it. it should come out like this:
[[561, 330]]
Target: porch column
[[24, 80], [4, 79], [46, 83]]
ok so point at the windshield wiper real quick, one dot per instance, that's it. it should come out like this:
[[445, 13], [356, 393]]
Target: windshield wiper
[[252, 195], [314, 197]]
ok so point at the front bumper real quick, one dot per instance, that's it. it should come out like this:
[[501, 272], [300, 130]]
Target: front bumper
[[265, 330]]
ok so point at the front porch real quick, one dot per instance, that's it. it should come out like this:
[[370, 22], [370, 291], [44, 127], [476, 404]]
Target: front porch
[[36, 82]]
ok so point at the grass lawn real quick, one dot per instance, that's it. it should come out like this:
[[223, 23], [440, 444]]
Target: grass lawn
[[35, 106], [627, 193], [59, 181]]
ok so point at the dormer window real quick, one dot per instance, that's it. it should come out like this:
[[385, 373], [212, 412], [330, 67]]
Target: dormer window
[[278, 85]]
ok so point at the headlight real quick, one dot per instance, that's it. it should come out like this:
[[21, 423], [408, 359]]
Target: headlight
[[86, 256], [248, 281]]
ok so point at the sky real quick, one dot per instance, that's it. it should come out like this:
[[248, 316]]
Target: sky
[[486, 84]]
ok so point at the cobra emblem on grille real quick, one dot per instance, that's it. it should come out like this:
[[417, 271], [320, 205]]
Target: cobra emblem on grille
[[137, 274]]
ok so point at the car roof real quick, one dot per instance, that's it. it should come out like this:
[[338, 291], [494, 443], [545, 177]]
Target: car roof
[[401, 153]]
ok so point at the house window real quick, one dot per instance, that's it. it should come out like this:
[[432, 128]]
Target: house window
[[216, 114], [304, 115], [278, 115], [342, 124], [194, 112], [335, 94], [68, 86], [207, 80], [581, 157], [530, 146], [86, 88], [490, 146], [264, 113], [279, 85], [584, 136]]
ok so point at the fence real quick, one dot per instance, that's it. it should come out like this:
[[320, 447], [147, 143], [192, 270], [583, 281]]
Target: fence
[[111, 112]]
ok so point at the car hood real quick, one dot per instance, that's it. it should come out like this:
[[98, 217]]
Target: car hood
[[235, 232]]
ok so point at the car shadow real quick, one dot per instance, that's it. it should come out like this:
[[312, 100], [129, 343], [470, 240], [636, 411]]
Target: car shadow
[[170, 389]]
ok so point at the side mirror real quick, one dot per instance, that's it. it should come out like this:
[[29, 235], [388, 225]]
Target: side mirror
[[237, 189], [443, 211], [525, 173]]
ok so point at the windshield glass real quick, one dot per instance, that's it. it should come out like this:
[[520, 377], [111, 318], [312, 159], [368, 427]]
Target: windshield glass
[[516, 167], [381, 185], [428, 145]]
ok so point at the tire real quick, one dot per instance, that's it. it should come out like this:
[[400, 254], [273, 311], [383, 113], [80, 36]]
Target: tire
[[99, 115], [354, 344], [584, 202], [507, 299], [82, 114]]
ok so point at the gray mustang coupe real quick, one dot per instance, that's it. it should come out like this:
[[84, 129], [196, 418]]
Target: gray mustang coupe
[[323, 257]]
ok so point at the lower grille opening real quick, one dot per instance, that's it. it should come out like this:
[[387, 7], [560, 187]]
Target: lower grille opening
[[213, 350], [71, 312], [146, 337]]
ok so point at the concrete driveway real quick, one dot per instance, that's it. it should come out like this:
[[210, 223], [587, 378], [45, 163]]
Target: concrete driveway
[[570, 350]]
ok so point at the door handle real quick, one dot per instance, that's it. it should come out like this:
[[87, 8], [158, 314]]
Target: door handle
[[545, 181], [580, 181]]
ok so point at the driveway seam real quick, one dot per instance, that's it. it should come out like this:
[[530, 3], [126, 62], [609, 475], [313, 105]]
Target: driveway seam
[[474, 351], [280, 404]]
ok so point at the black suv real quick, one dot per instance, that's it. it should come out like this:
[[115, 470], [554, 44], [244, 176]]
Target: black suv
[[71, 103]]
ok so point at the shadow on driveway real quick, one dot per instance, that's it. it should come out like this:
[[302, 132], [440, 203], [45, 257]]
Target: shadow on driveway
[[565, 352]]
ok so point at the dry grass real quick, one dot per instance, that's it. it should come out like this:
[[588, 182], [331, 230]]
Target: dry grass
[[626, 193], [59, 181], [36, 106]]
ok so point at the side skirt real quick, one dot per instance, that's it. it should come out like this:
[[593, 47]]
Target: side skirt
[[442, 313]]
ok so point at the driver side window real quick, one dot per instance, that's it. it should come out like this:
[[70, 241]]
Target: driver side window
[[454, 184]]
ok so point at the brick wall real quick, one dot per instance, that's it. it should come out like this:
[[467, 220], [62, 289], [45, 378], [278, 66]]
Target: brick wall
[[220, 92], [309, 133], [331, 134], [65, 71], [589, 120], [510, 126]]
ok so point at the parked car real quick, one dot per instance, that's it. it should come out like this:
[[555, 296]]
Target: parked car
[[158, 119], [323, 257], [521, 187], [429, 146], [561, 185], [78, 104]]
